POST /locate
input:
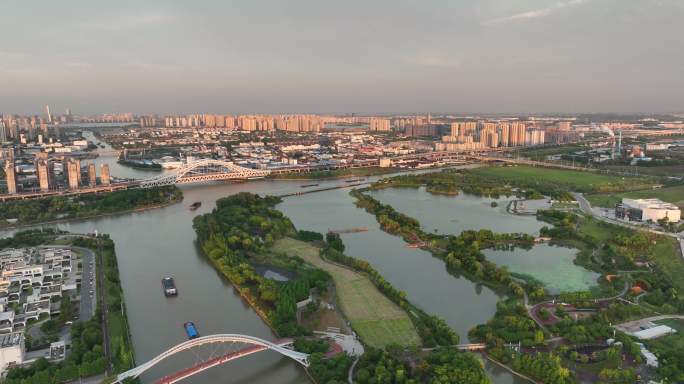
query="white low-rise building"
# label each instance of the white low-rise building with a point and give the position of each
(654, 332)
(654, 209)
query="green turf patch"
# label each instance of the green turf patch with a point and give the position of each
(377, 320)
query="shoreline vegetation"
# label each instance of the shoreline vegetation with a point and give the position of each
(59, 209)
(86, 357)
(461, 253)
(136, 164)
(339, 173)
(245, 228)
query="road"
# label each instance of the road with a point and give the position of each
(88, 289)
(586, 207)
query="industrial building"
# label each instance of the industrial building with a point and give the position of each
(647, 209)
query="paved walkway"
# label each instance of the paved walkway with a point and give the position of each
(349, 343)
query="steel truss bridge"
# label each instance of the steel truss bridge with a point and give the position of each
(203, 171)
(249, 345)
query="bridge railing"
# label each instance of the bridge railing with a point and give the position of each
(301, 358)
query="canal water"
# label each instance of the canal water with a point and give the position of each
(454, 214)
(161, 242)
(116, 169)
(552, 265)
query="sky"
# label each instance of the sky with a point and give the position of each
(351, 56)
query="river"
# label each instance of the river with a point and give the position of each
(160, 242)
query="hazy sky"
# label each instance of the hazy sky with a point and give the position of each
(342, 56)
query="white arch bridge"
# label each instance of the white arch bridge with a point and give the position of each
(204, 170)
(253, 345)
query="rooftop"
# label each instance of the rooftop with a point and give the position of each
(654, 332)
(10, 340)
(650, 203)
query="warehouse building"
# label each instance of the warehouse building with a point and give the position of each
(647, 209)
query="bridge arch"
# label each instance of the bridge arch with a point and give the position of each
(301, 358)
(204, 170)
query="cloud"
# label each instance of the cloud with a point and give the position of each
(130, 21)
(534, 14)
(432, 60)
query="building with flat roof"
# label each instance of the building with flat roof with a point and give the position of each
(653, 332)
(11, 351)
(652, 209)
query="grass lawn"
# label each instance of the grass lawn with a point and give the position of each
(667, 255)
(576, 179)
(376, 319)
(674, 195)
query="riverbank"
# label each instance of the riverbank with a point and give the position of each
(141, 165)
(56, 206)
(86, 218)
(340, 173)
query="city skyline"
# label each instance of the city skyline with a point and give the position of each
(570, 56)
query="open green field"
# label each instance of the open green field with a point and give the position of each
(541, 153)
(667, 255)
(578, 180)
(376, 319)
(674, 195)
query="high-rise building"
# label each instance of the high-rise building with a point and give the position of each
(45, 173)
(11, 177)
(92, 175)
(504, 134)
(564, 125)
(379, 125)
(105, 179)
(517, 134)
(3, 132)
(72, 174)
(78, 170)
(47, 112)
(492, 139)
(534, 137)
(455, 129)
